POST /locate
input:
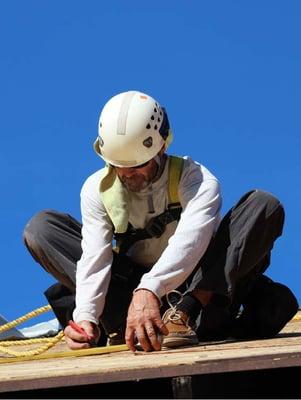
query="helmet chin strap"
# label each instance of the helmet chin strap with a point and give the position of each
(158, 160)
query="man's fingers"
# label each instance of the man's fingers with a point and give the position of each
(142, 339)
(153, 337)
(91, 329)
(76, 345)
(74, 335)
(144, 321)
(129, 339)
(161, 326)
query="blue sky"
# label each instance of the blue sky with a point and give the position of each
(228, 73)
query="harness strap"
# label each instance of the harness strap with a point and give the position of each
(174, 176)
(156, 225)
(154, 228)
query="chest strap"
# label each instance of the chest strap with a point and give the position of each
(156, 225)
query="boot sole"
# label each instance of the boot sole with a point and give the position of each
(171, 342)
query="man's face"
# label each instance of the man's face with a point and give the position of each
(138, 178)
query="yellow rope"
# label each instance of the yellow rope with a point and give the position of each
(50, 342)
(25, 317)
(25, 341)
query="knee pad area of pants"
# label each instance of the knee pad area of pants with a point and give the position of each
(271, 202)
(270, 305)
(38, 227)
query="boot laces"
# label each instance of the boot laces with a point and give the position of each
(174, 314)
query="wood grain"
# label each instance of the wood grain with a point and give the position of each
(210, 357)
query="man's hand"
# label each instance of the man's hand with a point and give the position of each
(144, 321)
(76, 340)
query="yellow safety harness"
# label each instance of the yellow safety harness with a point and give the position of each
(156, 226)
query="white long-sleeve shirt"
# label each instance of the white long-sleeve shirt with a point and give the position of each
(172, 257)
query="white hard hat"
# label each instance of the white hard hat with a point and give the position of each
(132, 129)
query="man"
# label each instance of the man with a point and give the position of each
(163, 214)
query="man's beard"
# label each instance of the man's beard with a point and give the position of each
(136, 182)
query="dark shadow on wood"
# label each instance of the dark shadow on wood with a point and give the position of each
(288, 334)
(279, 383)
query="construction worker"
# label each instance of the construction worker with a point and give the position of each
(152, 242)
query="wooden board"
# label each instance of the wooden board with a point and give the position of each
(209, 357)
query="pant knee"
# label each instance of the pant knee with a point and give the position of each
(38, 228)
(267, 310)
(268, 201)
(269, 209)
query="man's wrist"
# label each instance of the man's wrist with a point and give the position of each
(153, 285)
(149, 291)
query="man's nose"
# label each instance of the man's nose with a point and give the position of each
(127, 172)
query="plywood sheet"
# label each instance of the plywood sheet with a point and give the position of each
(209, 357)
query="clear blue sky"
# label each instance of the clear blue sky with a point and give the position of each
(228, 73)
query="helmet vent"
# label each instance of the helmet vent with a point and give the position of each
(155, 110)
(148, 126)
(155, 127)
(160, 113)
(152, 117)
(159, 120)
(148, 142)
(100, 124)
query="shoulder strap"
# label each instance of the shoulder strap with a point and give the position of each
(174, 176)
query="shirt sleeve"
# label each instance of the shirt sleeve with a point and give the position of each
(200, 197)
(94, 267)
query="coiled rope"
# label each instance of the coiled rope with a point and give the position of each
(39, 353)
(20, 342)
(50, 342)
(25, 317)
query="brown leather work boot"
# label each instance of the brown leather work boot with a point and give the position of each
(180, 331)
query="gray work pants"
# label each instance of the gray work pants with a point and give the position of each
(231, 267)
